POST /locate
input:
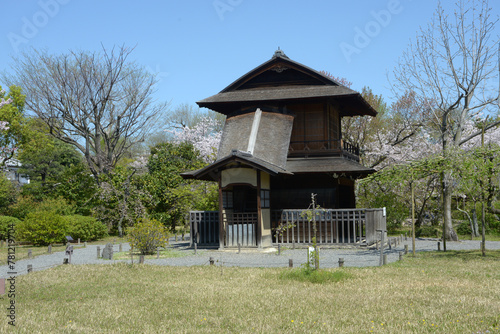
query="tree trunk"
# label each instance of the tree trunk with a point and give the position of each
(450, 233)
(475, 227)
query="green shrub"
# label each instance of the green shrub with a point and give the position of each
(26, 205)
(43, 228)
(86, 228)
(57, 205)
(22, 207)
(5, 223)
(464, 228)
(427, 231)
(147, 236)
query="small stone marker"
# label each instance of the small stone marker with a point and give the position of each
(141, 259)
(211, 260)
(120, 248)
(341, 261)
(290, 263)
(30, 255)
(50, 249)
(400, 256)
(30, 268)
(406, 249)
(107, 252)
(2, 286)
(98, 252)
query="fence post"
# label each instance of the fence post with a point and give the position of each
(341, 262)
(239, 248)
(195, 247)
(439, 246)
(290, 263)
(30, 268)
(381, 262)
(98, 252)
(400, 256)
(279, 249)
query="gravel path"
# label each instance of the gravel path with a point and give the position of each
(247, 258)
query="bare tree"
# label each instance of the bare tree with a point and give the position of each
(97, 101)
(452, 67)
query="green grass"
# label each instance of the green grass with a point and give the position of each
(452, 292)
(315, 276)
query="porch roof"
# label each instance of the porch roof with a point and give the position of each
(325, 165)
(209, 173)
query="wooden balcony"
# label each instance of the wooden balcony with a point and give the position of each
(336, 147)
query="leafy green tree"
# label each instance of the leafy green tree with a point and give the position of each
(76, 185)
(8, 192)
(172, 196)
(45, 159)
(120, 200)
(13, 114)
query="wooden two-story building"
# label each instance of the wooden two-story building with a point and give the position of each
(282, 141)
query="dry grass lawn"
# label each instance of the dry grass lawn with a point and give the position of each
(432, 293)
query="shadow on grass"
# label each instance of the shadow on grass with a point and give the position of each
(465, 255)
(314, 276)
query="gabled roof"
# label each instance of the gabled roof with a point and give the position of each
(209, 172)
(280, 65)
(282, 79)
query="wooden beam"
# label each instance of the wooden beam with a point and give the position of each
(221, 215)
(258, 229)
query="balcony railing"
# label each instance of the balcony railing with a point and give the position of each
(336, 147)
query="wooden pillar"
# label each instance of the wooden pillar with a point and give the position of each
(221, 216)
(258, 229)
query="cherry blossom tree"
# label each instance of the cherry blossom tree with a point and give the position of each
(451, 67)
(205, 136)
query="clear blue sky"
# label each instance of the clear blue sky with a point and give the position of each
(198, 47)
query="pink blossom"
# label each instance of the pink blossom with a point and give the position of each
(204, 136)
